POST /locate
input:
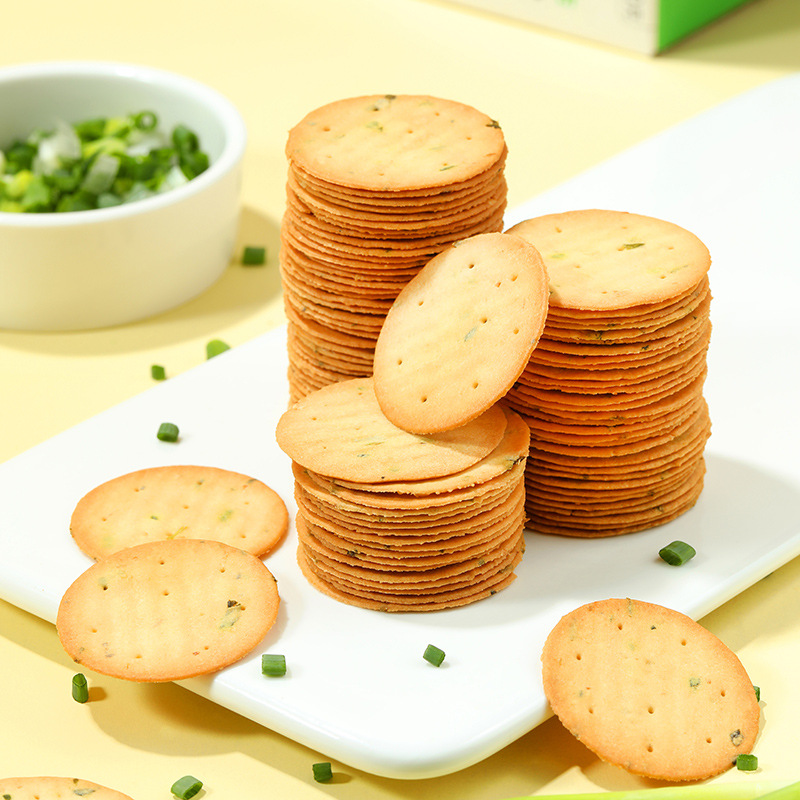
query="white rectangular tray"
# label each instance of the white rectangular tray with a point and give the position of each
(357, 689)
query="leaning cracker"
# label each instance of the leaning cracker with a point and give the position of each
(179, 502)
(460, 333)
(340, 431)
(55, 788)
(649, 689)
(168, 610)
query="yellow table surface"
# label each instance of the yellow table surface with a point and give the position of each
(564, 105)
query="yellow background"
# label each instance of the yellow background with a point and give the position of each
(564, 105)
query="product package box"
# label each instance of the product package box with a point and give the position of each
(644, 26)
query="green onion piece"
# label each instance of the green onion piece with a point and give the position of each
(185, 140)
(677, 553)
(757, 690)
(168, 432)
(145, 120)
(273, 664)
(187, 786)
(322, 771)
(433, 655)
(749, 789)
(747, 762)
(80, 689)
(254, 256)
(158, 372)
(215, 347)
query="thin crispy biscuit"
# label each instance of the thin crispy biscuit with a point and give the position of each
(650, 690)
(55, 788)
(600, 259)
(168, 610)
(179, 502)
(340, 431)
(460, 333)
(394, 142)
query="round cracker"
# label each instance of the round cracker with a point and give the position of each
(55, 788)
(179, 502)
(601, 259)
(649, 689)
(460, 333)
(395, 142)
(340, 431)
(168, 610)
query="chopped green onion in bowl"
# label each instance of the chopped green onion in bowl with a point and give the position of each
(97, 163)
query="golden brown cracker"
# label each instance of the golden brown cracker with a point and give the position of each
(179, 502)
(168, 610)
(650, 690)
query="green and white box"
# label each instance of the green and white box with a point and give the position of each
(644, 26)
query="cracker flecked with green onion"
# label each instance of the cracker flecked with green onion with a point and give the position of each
(649, 689)
(168, 610)
(179, 502)
(46, 787)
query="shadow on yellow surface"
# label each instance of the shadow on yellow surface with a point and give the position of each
(740, 36)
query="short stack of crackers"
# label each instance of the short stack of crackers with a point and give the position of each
(377, 185)
(394, 521)
(613, 393)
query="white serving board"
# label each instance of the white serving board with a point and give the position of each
(357, 688)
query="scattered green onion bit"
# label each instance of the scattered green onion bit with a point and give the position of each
(187, 786)
(254, 256)
(168, 432)
(215, 347)
(433, 655)
(757, 690)
(96, 163)
(80, 689)
(747, 762)
(677, 553)
(273, 665)
(158, 372)
(322, 771)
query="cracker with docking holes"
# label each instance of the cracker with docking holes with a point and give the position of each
(169, 610)
(460, 333)
(649, 689)
(341, 431)
(179, 502)
(411, 143)
(602, 260)
(55, 788)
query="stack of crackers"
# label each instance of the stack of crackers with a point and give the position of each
(394, 521)
(377, 185)
(613, 393)
(410, 483)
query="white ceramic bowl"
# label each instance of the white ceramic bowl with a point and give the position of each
(101, 267)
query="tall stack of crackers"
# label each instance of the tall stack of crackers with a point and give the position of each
(613, 392)
(376, 186)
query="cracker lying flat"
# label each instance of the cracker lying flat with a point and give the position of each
(168, 610)
(648, 689)
(400, 142)
(605, 259)
(340, 431)
(460, 333)
(55, 788)
(179, 502)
